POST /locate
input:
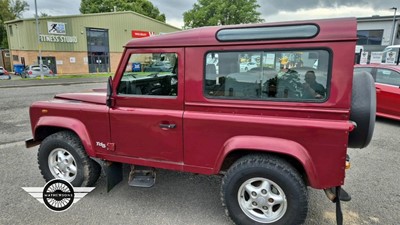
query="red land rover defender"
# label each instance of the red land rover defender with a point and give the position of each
(269, 131)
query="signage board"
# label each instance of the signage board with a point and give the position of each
(141, 34)
(56, 28)
(390, 57)
(58, 39)
(364, 58)
(376, 57)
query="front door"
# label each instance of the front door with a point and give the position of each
(98, 50)
(50, 61)
(388, 92)
(146, 120)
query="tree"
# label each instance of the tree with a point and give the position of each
(42, 14)
(144, 7)
(222, 12)
(10, 10)
(17, 7)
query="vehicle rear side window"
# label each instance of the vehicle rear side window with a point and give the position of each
(153, 74)
(296, 75)
(386, 76)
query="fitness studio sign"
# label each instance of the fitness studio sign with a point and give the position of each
(58, 39)
(55, 30)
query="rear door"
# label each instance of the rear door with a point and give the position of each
(388, 92)
(146, 121)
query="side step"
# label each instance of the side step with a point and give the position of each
(141, 176)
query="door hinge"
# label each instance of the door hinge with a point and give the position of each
(111, 147)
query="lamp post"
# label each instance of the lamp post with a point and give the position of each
(39, 45)
(393, 26)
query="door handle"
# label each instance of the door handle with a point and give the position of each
(167, 126)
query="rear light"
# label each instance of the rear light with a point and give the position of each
(51, 72)
(30, 72)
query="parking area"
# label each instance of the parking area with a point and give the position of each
(179, 198)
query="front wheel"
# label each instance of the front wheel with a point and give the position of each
(62, 156)
(262, 189)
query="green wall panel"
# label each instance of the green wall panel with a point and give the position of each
(119, 25)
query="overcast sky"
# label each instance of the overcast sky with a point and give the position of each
(271, 10)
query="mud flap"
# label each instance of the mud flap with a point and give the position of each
(336, 195)
(339, 213)
(113, 174)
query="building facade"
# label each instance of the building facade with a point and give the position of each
(375, 33)
(79, 44)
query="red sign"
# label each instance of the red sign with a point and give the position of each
(140, 34)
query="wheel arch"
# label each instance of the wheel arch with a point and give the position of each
(52, 124)
(291, 151)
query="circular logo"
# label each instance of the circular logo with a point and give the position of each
(58, 195)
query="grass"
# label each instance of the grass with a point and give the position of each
(70, 76)
(91, 75)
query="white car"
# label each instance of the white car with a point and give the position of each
(33, 71)
(244, 67)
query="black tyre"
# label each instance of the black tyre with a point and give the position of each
(363, 109)
(61, 155)
(262, 189)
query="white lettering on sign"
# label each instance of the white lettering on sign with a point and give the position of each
(101, 144)
(58, 39)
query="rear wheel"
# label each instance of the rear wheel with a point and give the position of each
(62, 156)
(262, 189)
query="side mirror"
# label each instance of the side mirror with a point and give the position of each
(109, 101)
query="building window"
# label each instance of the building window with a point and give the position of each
(11, 30)
(278, 75)
(15, 58)
(369, 37)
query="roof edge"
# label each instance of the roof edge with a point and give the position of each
(90, 14)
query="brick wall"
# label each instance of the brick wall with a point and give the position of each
(67, 62)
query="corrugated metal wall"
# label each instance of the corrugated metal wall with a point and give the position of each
(119, 24)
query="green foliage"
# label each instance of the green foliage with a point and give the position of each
(10, 10)
(42, 14)
(17, 7)
(144, 7)
(222, 12)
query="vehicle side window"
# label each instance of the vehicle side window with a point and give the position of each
(361, 69)
(386, 76)
(298, 75)
(152, 74)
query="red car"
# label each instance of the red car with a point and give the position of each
(387, 82)
(269, 133)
